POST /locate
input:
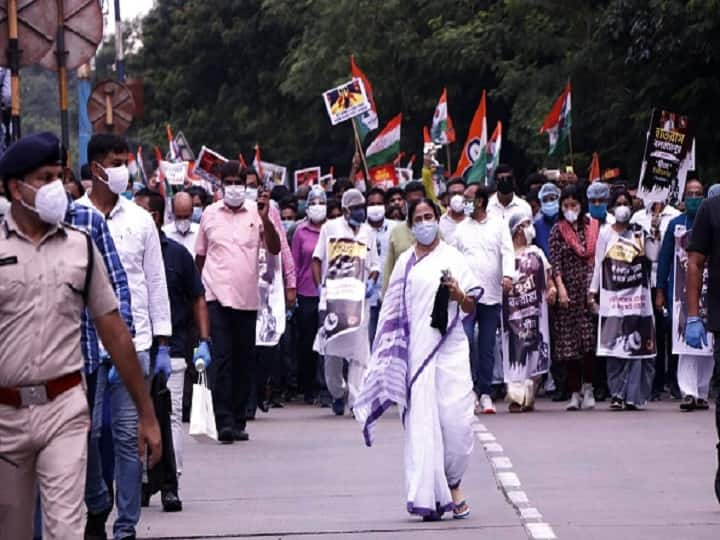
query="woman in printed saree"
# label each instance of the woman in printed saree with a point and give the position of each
(626, 333)
(420, 363)
(525, 321)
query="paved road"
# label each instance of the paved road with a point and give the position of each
(586, 475)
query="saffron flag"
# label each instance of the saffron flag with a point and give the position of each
(493, 152)
(594, 175)
(368, 121)
(257, 164)
(386, 145)
(450, 130)
(426, 135)
(174, 153)
(557, 123)
(473, 159)
(439, 129)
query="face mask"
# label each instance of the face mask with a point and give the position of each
(251, 194)
(468, 208)
(182, 225)
(550, 209)
(50, 202)
(425, 232)
(127, 194)
(457, 204)
(622, 214)
(117, 178)
(570, 216)
(529, 234)
(287, 223)
(692, 205)
(376, 213)
(197, 214)
(505, 185)
(234, 196)
(316, 213)
(357, 217)
(598, 211)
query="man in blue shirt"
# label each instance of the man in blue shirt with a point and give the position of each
(187, 295)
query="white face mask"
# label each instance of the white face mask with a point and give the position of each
(469, 208)
(182, 225)
(622, 214)
(571, 216)
(316, 212)
(234, 196)
(376, 212)
(457, 204)
(529, 234)
(50, 202)
(251, 193)
(117, 178)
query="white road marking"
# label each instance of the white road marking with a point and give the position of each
(486, 437)
(508, 479)
(540, 531)
(494, 448)
(502, 462)
(530, 513)
(518, 497)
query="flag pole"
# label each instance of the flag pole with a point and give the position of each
(449, 163)
(359, 148)
(572, 163)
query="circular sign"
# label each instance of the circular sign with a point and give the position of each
(83, 33)
(113, 101)
(37, 25)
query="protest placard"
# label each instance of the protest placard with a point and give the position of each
(307, 177)
(346, 101)
(208, 165)
(183, 147)
(274, 174)
(175, 173)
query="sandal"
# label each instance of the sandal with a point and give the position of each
(461, 510)
(433, 516)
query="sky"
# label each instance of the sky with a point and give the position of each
(129, 9)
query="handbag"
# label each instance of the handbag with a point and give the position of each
(202, 413)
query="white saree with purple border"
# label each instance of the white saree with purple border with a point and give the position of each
(427, 375)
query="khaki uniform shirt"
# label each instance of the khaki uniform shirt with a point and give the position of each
(41, 302)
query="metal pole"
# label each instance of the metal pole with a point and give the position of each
(62, 76)
(14, 61)
(119, 53)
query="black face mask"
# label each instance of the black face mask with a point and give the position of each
(506, 185)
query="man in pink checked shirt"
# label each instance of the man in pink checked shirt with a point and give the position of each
(229, 238)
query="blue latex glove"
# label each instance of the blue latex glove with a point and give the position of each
(695, 334)
(202, 352)
(370, 287)
(162, 361)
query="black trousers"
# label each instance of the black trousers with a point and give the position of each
(306, 320)
(233, 338)
(715, 384)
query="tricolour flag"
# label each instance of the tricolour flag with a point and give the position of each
(174, 153)
(368, 121)
(439, 129)
(257, 164)
(557, 123)
(386, 145)
(594, 175)
(473, 160)
(493, 152)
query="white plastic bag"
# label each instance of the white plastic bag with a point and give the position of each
(202, 414)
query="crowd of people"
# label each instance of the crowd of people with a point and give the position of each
(437, 296)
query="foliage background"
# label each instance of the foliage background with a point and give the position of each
(232, 73)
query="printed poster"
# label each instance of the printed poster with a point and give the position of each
(342, 297)
(525, 322)
(208, 165)
(175, 173)
(679, 301)
(346, 101)
(383, 176)
(669, 153)
(307, 177)
(274, 174)
(183, 146)
(271, 320)
(626, 322)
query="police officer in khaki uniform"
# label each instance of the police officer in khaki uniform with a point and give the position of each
(48, 272)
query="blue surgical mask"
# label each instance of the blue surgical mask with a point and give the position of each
(692, 205)
(128, 195)
(357, 217)
(287, 223)
(598, 211)
(550, 209)
(425, 232)
(197, 214)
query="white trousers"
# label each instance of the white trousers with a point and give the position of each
(336, 382)
(176, 384)
(694, 373)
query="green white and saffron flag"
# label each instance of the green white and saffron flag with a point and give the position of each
(558, 122)
(439, 129)
(386, 146)
(368, 121)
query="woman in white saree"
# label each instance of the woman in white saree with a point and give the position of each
(420, 363)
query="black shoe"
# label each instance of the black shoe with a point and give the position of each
(560, 396)
(263, 406)
(600, 394)
(702, 405)
(226, 436)
(170, 501)
(95, 525)
(338, 406)
(656, 395)
(675, 392)
(688, 404)
(308, 399)
(145, 496)
(616, 404)
(717, 476)
(240, 435)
